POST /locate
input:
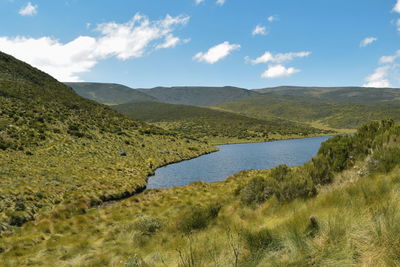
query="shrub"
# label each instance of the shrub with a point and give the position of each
(148, 225)
(198, 218)
(384, 160)
(257, 190)
(260, 240)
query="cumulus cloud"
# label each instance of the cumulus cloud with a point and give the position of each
(198, 1)
(396, 8)
(259, 30)
(278, 71)
(66, 61)
(378, 78)
(28, 10)
(216, 53)
(367, 41)
(220, 2)
(272, 18)
(268, 57)
(390, 59)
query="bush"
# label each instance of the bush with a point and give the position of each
(384, 160)
(260, 240)
(148, 225)
(257, 191)
(198, 218)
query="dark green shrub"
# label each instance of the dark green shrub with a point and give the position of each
(260, 240)
(198, 218)
(257, 190)
(148, 225)
(384, 160)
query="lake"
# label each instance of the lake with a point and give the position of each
(231, 159)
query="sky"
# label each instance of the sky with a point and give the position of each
(250, 44)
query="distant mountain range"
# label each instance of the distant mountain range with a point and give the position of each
(334, 107)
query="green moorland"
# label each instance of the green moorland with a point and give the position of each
(214, 126)
(339, 209)
(109, 93)
(61, 153)
(309, 109)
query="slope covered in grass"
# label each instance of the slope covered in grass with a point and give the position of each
(340, 209)
(311, 109)
(109, 93)
(61, 152)
(213, 125)
(199, 96)
(359, 95)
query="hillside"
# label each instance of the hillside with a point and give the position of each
(214, 126)
(308, 109)
(360, 95)
(109, 93)
(340, 209)
(61, 153)
(199, 96)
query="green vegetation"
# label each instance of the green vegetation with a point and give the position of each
(109, 93)
(346, 220)
(215, 126)
(63, 154)
(310, 109)
(199, 96)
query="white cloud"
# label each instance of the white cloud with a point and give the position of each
(278, 71)
(198, 1)
(259, 30)
(272, 18)
(216, 53)
(378, 78)
(268, 57)
(28, 10)
(170, 41)
(389, 59)
(396, 8)
(367, 41)
(220, 2)
(66, 61)
(398, 24)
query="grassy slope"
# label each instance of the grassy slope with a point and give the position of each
(310, 109)
(199, 96)
(212, 125)
(58, 149)
(109, 93)
(360, 95)
(354, 221)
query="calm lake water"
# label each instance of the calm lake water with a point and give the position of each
(231, 159)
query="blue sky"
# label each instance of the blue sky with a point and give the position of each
(250, 44)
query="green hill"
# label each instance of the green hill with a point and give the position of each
(62, 153)
(360, 95)
(199, 96)
(109, 93)
(310, 109)
(214, 126)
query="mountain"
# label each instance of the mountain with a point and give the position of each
(109, 93)
(62, 153)
(212, 125)
(311, 109)
(360, 95)
(199, 96)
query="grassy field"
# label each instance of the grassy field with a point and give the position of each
(340, 209)
(62, 153)
(214, 126)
